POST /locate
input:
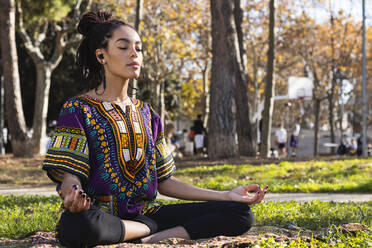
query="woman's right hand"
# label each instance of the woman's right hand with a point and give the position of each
(76, 200)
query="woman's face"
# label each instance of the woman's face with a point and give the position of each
(123, 56)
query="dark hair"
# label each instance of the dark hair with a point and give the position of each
(97, 28)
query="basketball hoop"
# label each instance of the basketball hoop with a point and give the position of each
(300, 88)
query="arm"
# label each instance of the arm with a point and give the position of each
(173, 187)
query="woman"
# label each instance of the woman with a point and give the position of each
(109, 159)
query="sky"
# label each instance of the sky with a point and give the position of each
(350, 7)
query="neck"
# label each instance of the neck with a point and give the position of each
(116, 89)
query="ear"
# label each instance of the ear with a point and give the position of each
(100, 56)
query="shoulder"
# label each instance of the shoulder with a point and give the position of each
(145, 107)
(75, 101)
(75, 105)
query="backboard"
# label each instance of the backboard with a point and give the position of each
(300, 87)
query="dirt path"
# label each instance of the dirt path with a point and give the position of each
(47, 191)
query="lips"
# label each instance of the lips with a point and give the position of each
(134, 64)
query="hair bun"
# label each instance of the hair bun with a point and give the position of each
(91, 19)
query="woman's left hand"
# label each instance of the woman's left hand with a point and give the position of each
(241, 194)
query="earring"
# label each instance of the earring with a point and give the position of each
(104, 81)
(101, 58)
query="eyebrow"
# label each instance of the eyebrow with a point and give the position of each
(127, 40)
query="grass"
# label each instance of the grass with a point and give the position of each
(312, 215)
(353, 175)
(337, 239)
(23, 214)
(20, 215)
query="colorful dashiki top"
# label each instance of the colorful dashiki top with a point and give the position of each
(119, 155)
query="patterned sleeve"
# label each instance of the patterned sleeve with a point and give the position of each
(165, 166)
(68, 149)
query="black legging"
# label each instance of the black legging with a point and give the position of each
(201, 220)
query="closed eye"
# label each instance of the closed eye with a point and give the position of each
(125, 48)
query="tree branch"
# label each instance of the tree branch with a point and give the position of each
(42, 35)
(76, 16)
(31, 48)
(62, 31)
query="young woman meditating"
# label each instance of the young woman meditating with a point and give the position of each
(109, 158)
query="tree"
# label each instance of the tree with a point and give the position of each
(329, 50)
(14, 110)
(222, 120)
(269, 87)
(45, 66)
(166, 57)
(246, 142)
(138, 18)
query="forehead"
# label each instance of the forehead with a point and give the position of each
(125, 32)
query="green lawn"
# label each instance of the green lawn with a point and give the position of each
(352, 175)
(23, 214)
(349, 175)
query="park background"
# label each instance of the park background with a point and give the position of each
(217, 58)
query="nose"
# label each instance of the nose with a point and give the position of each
(134, 52)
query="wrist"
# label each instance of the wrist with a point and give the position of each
(225, 196)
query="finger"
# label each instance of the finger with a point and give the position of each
(261, 196)
(82, 200)
(250, 200)
(75, 201)
(87, 204)
(264, 192)
(81, 203)
(68, 200)
(252, 187)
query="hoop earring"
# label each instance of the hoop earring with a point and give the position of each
(104, 81)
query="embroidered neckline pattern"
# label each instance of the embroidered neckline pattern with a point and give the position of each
(130, 139)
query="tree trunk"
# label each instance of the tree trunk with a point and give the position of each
(331, 106)
(316, 125)
(206, 96)
(222, 132)
(246, 141)
(44, 69)
(317, 99)
(162, 103)
(13, 100)
(43, 76)
(256, 95)
(138, 18)
(269, 88)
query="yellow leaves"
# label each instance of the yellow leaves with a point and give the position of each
(149, 39)
(172, 14)
(342, 68)
(279, 58)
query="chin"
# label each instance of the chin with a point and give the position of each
(136, 76)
